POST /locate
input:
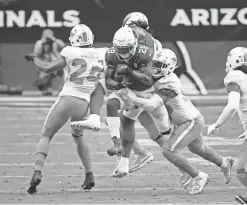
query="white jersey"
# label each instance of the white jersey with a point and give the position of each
(180, 107)
(240, 78)
(82, 76)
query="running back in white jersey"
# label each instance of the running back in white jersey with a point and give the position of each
(239, 78)
(83, 75)
(180, 107)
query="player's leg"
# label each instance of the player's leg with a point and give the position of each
(55, 119)
(242, 171)
(182, 136)
(96, 102)
(78, 110)
(163, 122)
(200, 148)
(181, 162)
(142, 157)
(128, 119)
(113, 106)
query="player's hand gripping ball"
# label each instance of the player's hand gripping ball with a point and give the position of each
(30, 57)
(125, 70)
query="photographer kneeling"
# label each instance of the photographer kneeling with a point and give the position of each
(48, 49)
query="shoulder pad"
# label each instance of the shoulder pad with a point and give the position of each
(111, 58)
(234, 76)
(65, 51)
(171, 82)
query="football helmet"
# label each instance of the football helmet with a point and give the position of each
(137, 18)
(164, 63)
(236, 57)
(81, 35)
(125, 43)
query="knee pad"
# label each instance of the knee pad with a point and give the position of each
(242, 177)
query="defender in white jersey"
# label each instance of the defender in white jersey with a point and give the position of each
(187, 119)
(84, 67)
(236, 84)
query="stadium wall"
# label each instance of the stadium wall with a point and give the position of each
(208, 28)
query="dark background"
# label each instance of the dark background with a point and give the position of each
(208, 45)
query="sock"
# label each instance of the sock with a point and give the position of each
(94, 118)
(138, 149)
(206, 152)
(41, 153)
(181, 162)
(113, 124)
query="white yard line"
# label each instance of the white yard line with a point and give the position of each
(104, 152)
(99, 175)
(118, 189)
(194, 159)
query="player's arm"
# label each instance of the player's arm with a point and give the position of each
(46, 67)
(110, 83)
(38, 48)
(49, 67)
(165, 94)
(232, 104)
(143, 75)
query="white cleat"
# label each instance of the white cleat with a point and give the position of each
(199, 183)
(185, 178)
(227, 169)
(140, 161)
(122, 168)
(92, 123)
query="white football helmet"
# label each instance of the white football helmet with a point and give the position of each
(236, 57)
(164, 63)
(81, 35)
(137, 18)
(125, 43)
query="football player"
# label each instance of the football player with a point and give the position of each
(236, 85)
(84, 67)
(132, 60)
(139, 23)
(188, 121)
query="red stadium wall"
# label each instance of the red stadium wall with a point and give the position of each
(209, 29)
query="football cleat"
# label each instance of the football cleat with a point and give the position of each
(140, 161)
(122, 168)
(117, 147)
(92, 123)
(199, 183)
(89, 181)
(35, 181)
(227, 170)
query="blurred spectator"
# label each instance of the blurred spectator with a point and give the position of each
(48, 48)
(6, 89)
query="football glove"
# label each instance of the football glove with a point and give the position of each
(243, 135)
(30, 57)
(125, 70)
